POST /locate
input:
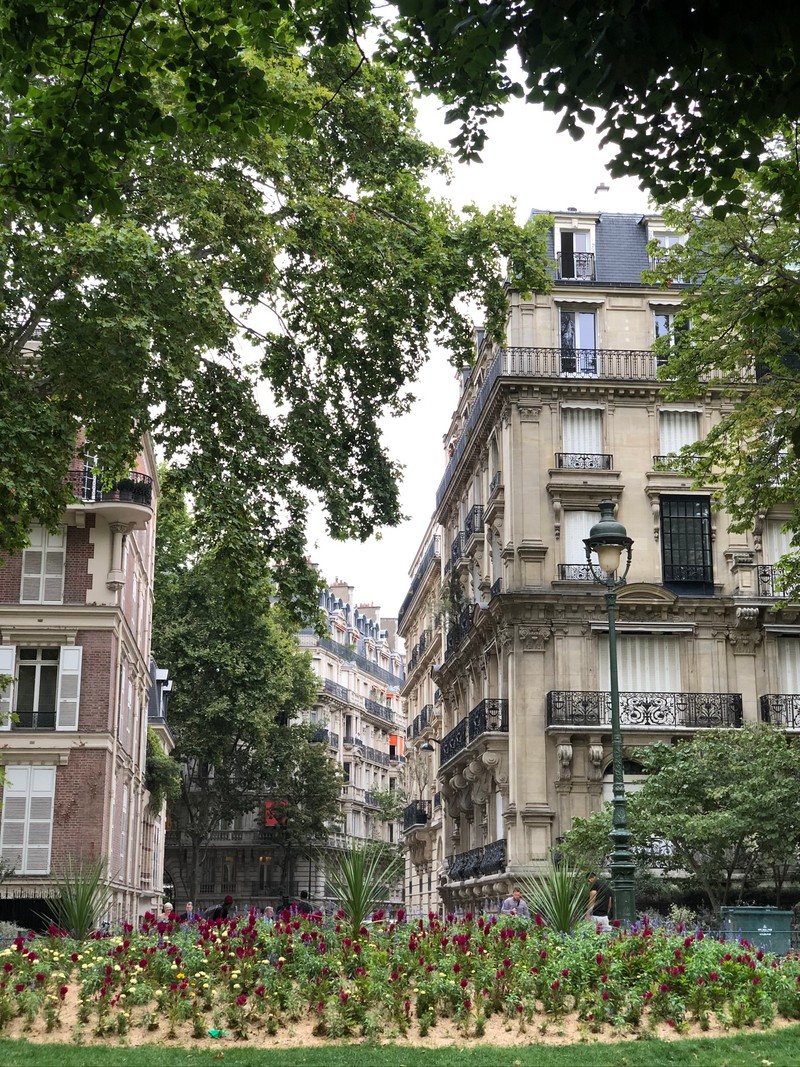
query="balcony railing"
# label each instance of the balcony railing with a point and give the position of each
(665, 463)
(335, 690)
(35, 720)
(133, 488)
(490, 716)
(667, 710)
(496, 589)
(417, 813)
(496, 482)
(433, 552)
(584, 461)
(781, 710)
(366, 665)
(380, 711)
(474, 522)
(575, 266)
(575, 572)
(488, 859)
(457, 548)
(765, 577)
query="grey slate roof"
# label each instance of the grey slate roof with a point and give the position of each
(620, 247)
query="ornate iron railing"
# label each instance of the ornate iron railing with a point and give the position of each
(487, 859)
(134, 487)
(432, 552)
(417, 813)
(496, 482)
(380, 711)
(688, 710)
(335, 690)
(473, 523)
(351, 740)
(370, 800)
(375, 756)
(490, 716)
(497, 588)
(584, 461)
(575, 266)
(664, 463)
(35, 720)
(457, 547)
(781, 710)
(575, 572)
(366, 665)
(765, 577)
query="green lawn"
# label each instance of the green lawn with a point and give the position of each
(780, 1048)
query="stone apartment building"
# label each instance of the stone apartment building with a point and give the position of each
(359, 720)
(507, 681)
(75, 626)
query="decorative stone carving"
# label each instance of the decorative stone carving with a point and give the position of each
(595, 753)
(533, 638)
(564, 754)
(745, 642)
(746, 618)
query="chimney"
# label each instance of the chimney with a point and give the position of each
(342, 590)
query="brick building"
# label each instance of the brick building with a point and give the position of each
(75, 625)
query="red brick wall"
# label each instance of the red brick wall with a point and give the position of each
(98, 680)
(77, 580)
(82, 806)
(10, 578)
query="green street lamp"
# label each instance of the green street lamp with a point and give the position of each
(608, 539)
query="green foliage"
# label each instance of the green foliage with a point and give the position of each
(586, 846)
(560, 896)
(221, 224)
(162, 776)
(83, 897)
(361, 880)
(685, 98)
(391, 803)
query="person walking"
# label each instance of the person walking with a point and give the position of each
(515, 905)
(600, 901)
(189, 916)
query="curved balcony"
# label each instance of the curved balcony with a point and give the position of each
(688, 711)
(490, 716)
(478, 862)
(126, 500)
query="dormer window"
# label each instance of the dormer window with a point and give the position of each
(575, 255)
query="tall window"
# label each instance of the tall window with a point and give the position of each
(575, 258)
(582, 436)
(647, 663)
(45, 693)
(27, 819)
(577, 525)
(686, 545)
(578, 343)
(676, 430)
(43, 567)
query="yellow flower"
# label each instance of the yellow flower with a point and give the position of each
(236, 985)
(181, 974)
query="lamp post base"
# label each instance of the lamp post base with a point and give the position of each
(622, 876)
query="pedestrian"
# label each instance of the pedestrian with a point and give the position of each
(600, 901)
(221, 911)
(167, 913)
(269, 914)
(515, 905)
(189, 915)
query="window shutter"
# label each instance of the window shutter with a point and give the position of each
(32, 563)
(15, 805)
(43, 568)
(677, 428)
(40, 820)
(69, 687)
(28, 819)
(54, 568)
(647, 663)
(582, 431)
(8, 662)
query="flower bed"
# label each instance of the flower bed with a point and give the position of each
(247, 978)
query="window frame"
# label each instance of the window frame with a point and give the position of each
(700, 576)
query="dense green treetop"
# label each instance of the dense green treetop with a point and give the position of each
(252, 270)
(737, 331)
(685, 90)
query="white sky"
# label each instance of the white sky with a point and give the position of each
(527, 161)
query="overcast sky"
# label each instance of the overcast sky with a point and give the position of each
(527, 161)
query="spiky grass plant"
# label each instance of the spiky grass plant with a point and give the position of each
(83, 897)
(560, 895)
(361, 879)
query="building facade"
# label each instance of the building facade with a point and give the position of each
(515, 705)
(357, 716)
(75, 627)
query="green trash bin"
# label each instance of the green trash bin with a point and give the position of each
(767, 928)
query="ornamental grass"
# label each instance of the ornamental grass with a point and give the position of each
(246, 978)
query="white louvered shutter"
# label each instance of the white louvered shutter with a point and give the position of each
(789, 664)
(69, 687)
(8, 662)
(577, 525)
(43, 568)
(27, 826)
(40, 820)
(677, 428)
(582, 431)
(646, 663)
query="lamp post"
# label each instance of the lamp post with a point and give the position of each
(608, 539)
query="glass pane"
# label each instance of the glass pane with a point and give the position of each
(48, 685)
(25, 688)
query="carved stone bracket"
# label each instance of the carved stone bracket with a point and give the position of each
(594, 771)
(564, 753)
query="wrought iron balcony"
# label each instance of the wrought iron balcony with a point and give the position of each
(91, 487)
(370, 800)
(488, 859)
(496, 589)
(584, 461)
(575, 266)
(574, 572)
(380, 711)
(35, 720)
(417, 813)
(781, 710)
(496, 482)
(432, 552)
(665, 710)
(474, 522)
(352, 741)
(490, 716)
(376, 756)
(457, 548)
(335, 690)
(665, 463)
(765, 577)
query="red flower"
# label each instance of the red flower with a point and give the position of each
(63, 991)
(467, 1005)
(40, 977)
(555, 985)
(241, 1000)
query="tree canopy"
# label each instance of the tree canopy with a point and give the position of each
(736, 334)
(239, 680)
(218, 231)
(686, 91)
